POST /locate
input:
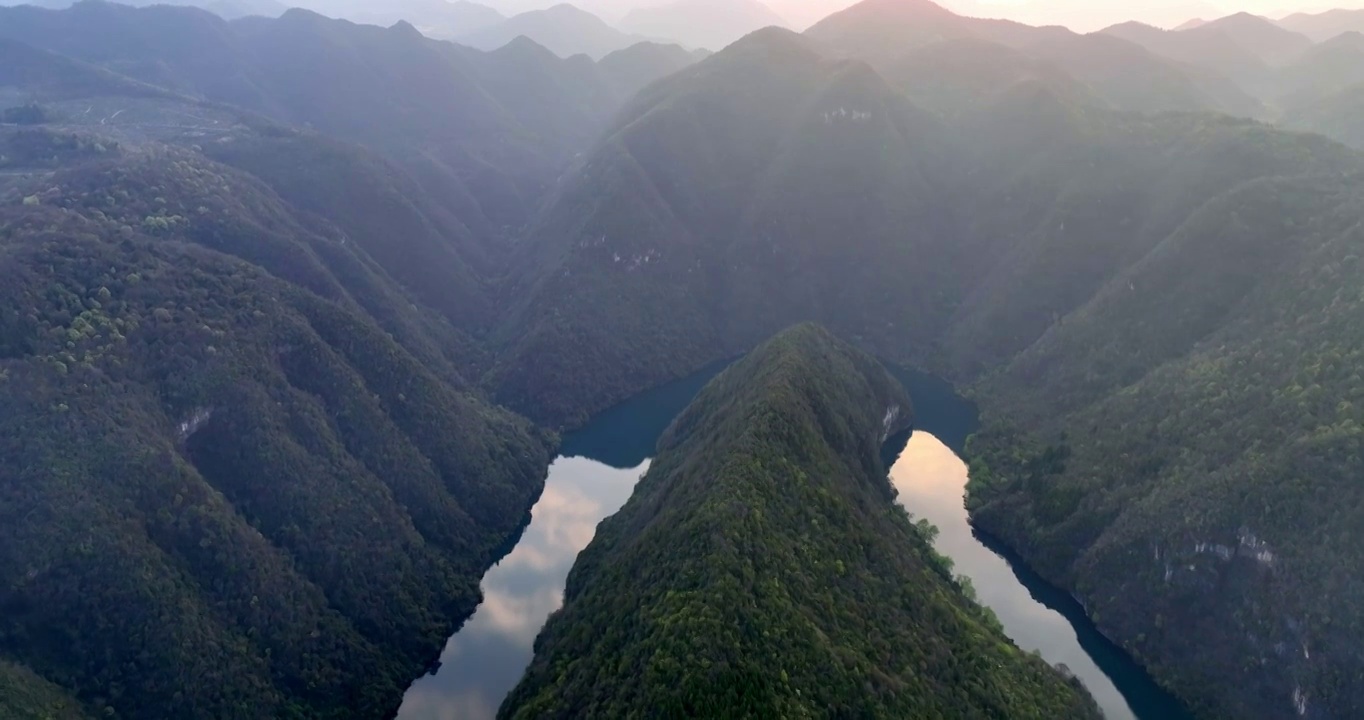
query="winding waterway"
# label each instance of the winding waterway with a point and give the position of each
(595, 475)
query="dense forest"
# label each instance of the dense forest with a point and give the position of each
(290, 307)
(762, 569)
(1197, 476)
(240, 470)
(725, 213)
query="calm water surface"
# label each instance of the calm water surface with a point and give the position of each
(591, 479)
(596, 474)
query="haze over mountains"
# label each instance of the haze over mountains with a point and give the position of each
(292, 307)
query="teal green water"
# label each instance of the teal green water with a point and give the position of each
(595, 474)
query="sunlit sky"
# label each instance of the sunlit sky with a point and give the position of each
(1080, 15)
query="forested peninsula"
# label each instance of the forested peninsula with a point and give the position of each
(763, 569)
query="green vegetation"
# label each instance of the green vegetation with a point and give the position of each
(762, 569)
(30, 114)
(767, 185)
(1190, 465)
(1155, 312)
(487, 132)
(242, 473)
(25, 695)
(248, 462)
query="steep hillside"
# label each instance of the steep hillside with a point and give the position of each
(768, 185)
(761, 568)
(1272, 43)
(1077, 195)
(1214, 50)
(1129, 77)
(234, 438)
(25, 695)
(410, 233)
(415, 232)
(1324, 70)
(461, 123)
(687, 226)
(1339, 116)
(1183, 454)
(960, 78)
(632, 69)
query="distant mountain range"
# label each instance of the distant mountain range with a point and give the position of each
(711, 24)
(1324, 26)
(292, 310)
(563, 29)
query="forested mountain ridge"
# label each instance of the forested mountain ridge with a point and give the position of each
(1194, 475)
(1122, 73)
(1325, 25)
(686, 206)
(25, 695)
(468, 124)
(231, 436)
(761, 568)
(1339, 115)
(563, 29)
(1026, 230)
(1157, 311)
(723, 215)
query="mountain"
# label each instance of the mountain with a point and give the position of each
(768, 185)
(885, 29)
(1320, 27)
(439, 19)
(1084, 16)
(227, 9)
(765, 539)
(230, 435)
(563, 29)
(1129, 77)
(1272, 43)
(703, 206)
(1191, 452)
(442, 112)
(233, 9)
(1120, 73)
(709, 24)
(961, 77)
(632, 69)
(1047, 252)
(1337, 116)
(1214, 50)
(1324, 70)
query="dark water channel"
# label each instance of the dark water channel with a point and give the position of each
(595, 475)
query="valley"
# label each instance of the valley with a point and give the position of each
(599, 466)
(296, 313)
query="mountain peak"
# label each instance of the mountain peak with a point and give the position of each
(772, 40)
(565, 10)
(888, 28)
(1132, 25)
(403, 27)
(524, 46)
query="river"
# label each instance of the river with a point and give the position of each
(594, 476)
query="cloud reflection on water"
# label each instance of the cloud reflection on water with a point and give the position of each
(482, 663)
(931, 481)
